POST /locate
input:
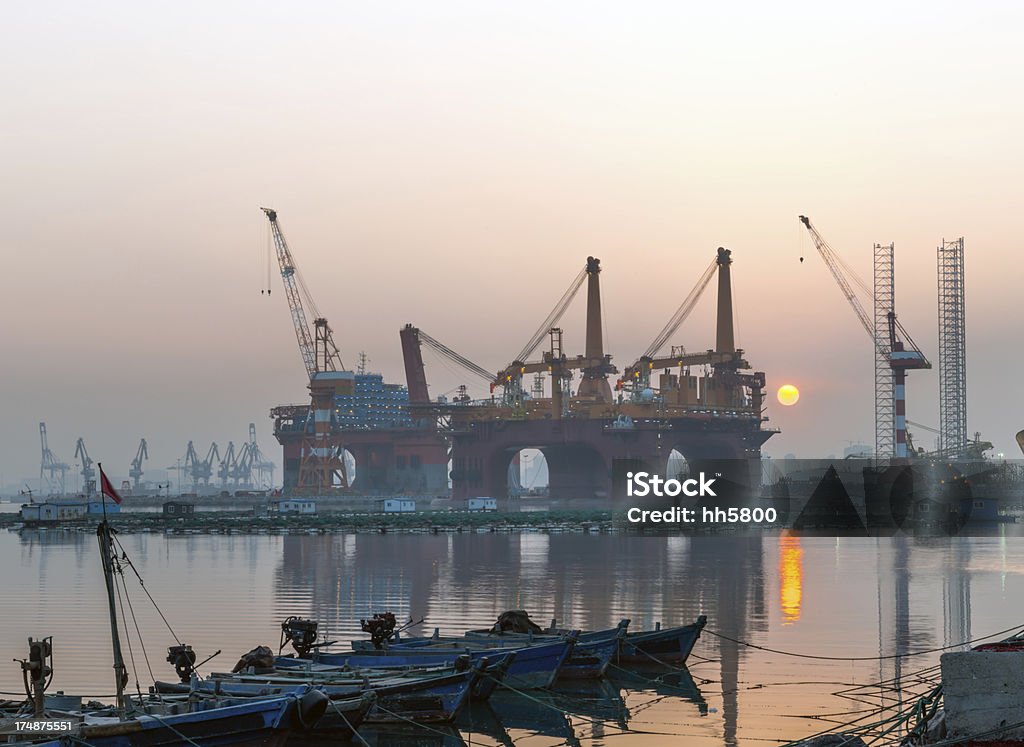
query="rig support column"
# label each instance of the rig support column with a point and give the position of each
(415, 376)
(595, 378)
(724, 341)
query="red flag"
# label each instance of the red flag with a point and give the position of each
(106, 488)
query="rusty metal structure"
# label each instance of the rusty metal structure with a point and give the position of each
(321, 444)
(706, 405)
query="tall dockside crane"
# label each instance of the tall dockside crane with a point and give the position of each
(318, 351)
(88, 473)
(200, 470)
(322, 466)
(895, 351)
(55, 469)
(135, 472)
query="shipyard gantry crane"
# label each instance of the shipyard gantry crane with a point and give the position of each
(262, 475)
(893, 346)
(135, 471)
(322, 467)
(236, 466)
(228, 469)
(55, 469)
(200, 470)
(88, 473)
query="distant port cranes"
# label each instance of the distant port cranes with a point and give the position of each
(239, 469)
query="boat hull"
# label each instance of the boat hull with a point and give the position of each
(430, 699)
(669, 645)
(533, 666)
(266, 722)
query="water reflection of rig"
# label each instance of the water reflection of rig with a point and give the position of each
(362, 435)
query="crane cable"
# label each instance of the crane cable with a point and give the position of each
(553, 318)
(682, 312)
(461, 360)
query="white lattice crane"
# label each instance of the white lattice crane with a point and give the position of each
(893, 345)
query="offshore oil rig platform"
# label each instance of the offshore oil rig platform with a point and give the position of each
(706, 405)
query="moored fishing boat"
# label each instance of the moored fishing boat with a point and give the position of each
(340, 720)
(661, 645)
(590, 657)
(534, 666)
(263, 722)
(398, 698)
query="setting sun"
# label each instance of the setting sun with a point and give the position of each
(788, 395)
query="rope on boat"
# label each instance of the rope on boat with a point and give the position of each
(413, 722)
(79, 740)
(549, 706)
(655, 680)
(131, 651)
(861, 658)
(355, 732)
(656, 660)
(167, 725)
(142, 642)
(142, 583)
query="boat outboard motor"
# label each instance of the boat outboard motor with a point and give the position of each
(37, 671)
(183, 659)
(302, 634)
(381, 627)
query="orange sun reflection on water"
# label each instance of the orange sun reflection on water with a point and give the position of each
(791, 577)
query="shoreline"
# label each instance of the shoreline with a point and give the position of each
(244, 523)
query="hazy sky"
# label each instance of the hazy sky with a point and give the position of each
(452, 165)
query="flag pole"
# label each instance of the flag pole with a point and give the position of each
(104, 536)
(103, 493)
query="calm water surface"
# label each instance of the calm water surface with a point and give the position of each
(863, 597)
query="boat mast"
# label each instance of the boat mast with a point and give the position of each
(103, 535)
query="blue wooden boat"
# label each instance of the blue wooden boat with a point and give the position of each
(493, 675)
(261, 722)
(590, 658)
(534, 666)
(340, 720)
(397, 699)
(661, 645)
